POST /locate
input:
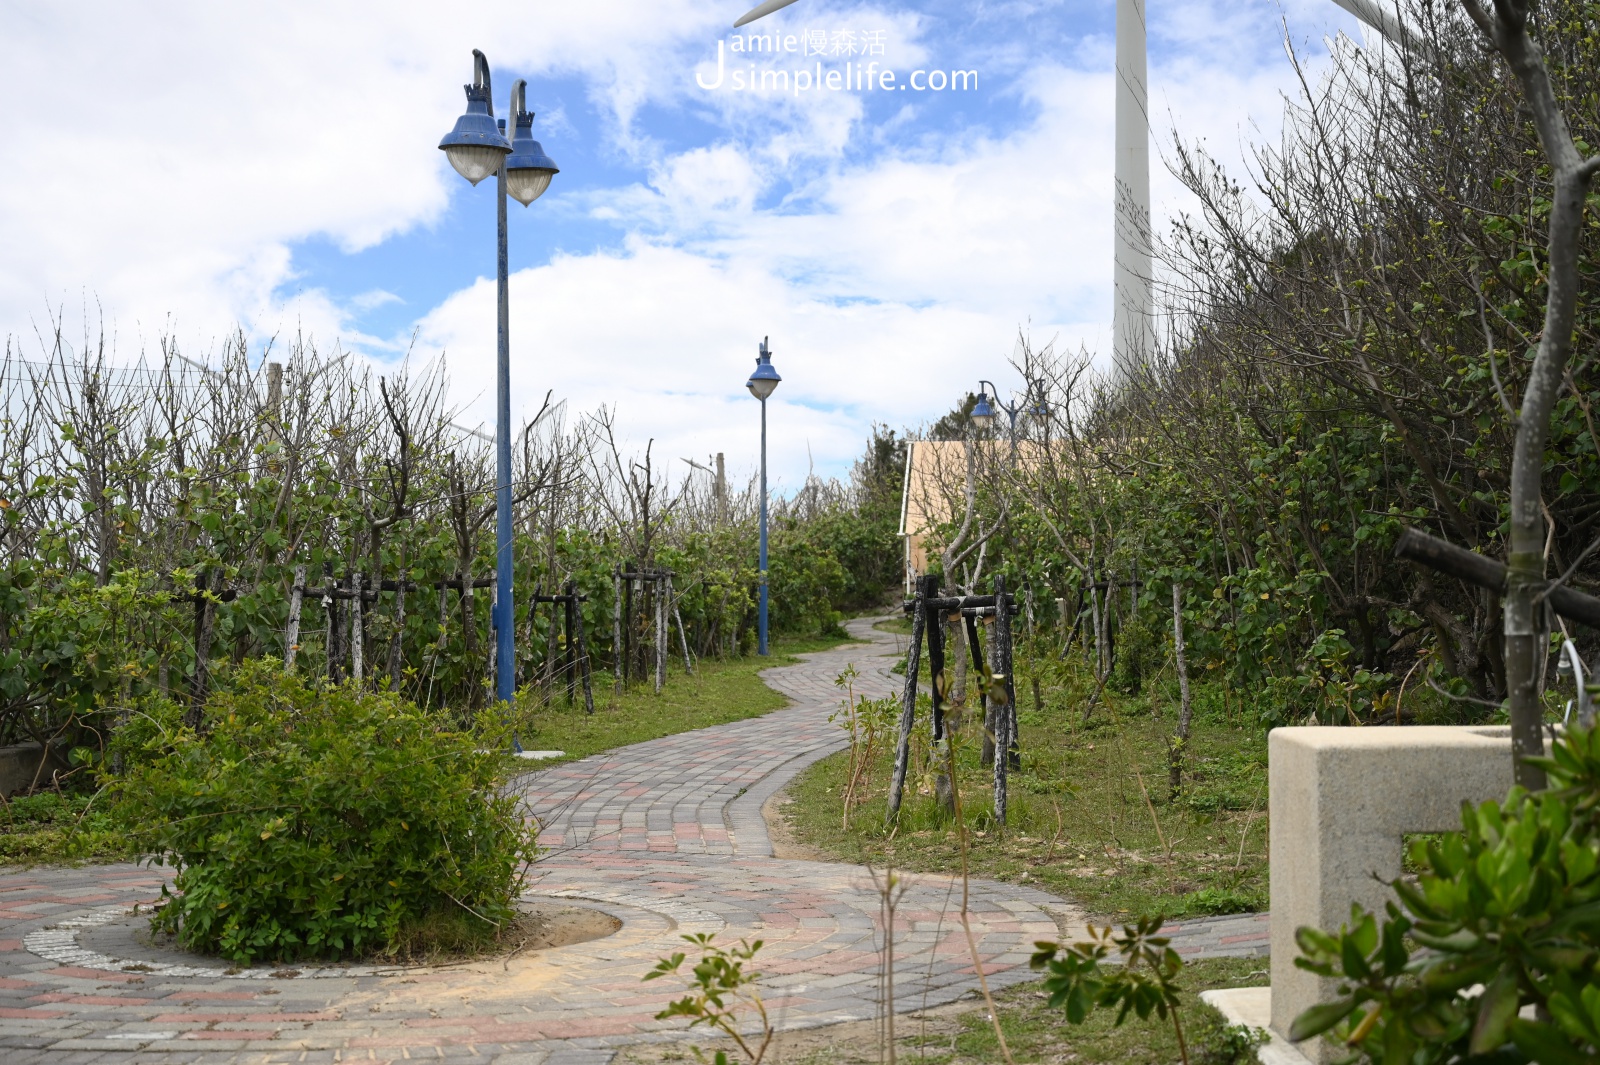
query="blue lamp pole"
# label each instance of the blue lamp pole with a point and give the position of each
(477, 147)
(761, 384)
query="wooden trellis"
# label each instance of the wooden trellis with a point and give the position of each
(574, 667)
(649, 590)
(927, 609)
(356, 591)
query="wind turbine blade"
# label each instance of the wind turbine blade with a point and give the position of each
(762, 11)
(1385, 22)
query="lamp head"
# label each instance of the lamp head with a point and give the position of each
(982, 413)
(765, 378)
(528, 169)
(476, 147)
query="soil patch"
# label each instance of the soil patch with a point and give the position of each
(784, 842)
(541, 924)
(849, 1043)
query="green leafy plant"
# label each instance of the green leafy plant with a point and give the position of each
(1223, 900)
(1144, 981)
(1231, 1044)
(323, 822)
(1511, 905)
(869, 723)
(721, 990)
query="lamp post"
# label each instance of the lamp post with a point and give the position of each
(761, 384)
(477, 147)
(983, 411)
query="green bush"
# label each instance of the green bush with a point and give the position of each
(1512, 901)
(322, 822)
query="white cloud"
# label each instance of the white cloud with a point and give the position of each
(164, 158)
(168, 164)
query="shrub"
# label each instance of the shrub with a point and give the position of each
(322, 822)
(1512, 901)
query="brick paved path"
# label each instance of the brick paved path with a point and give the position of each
(665, 835)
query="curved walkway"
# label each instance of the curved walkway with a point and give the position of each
(666, 836)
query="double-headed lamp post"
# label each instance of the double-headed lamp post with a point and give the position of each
(477, 148)
(983, 411)
(761, 384)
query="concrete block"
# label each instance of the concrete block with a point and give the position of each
(1340, 799)
(20, 766)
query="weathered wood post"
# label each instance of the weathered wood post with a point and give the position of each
(943, 791)
(683, 635)
(722, 491)
(444, 616)
(1003, 699)
(330, 614)
(552, 649)
(357, 644)
(631, 670)
(1005, 609)
(660, 583)
(926, 587)
(955, 640)
(203, 621)
(985, 704)
(617, 652)
(569, 662)
(397, 643)
(1179, 750)
(291, 634)
(492, 657)
(583, 658)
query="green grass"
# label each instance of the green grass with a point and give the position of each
(1089, 818)
(719, 692)
(56, 827)
(1034, 1032)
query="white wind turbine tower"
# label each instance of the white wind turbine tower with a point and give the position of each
(1132, 279)
(1132, 305)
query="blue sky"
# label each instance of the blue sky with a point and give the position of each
(277, 168)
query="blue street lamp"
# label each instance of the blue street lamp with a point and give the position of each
(761, 384)
(477, 147)
(983, 411)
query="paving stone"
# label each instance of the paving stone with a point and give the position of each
(666, 835)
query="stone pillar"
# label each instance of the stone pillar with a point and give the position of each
(1340, 801)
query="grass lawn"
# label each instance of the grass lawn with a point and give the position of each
(1090, 814)
(1036, 1033)
(719, 692)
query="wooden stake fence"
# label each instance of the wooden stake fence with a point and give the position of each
(927, 610)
